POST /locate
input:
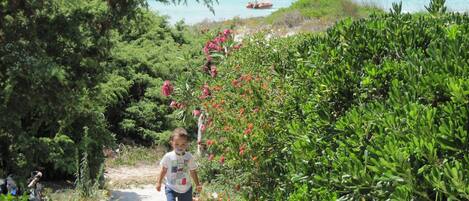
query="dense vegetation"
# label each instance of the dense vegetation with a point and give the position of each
(375, 109)
(77, 76)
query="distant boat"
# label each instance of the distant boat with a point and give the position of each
(259, 5)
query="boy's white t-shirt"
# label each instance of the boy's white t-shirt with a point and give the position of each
(177, 175)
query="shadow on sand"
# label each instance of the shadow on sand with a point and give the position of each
(125, 196)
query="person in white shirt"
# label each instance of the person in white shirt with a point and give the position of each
(176, 167)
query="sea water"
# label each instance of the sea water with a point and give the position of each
(417, 5)
(194, 12)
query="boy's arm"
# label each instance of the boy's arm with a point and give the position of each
(160, 178)
(196, 180)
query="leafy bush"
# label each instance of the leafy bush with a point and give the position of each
(142, 59)
(374, 109)
(53, 55)
(94, 64)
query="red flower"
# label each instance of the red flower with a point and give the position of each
(210, 142)
(167, 88)
(227, 32)
(250, 126)
(220, 39)
(223, 39)
(254, 158)
(213, 45)
(222, 159)
(196, 113)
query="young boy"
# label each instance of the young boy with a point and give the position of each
(175, 168)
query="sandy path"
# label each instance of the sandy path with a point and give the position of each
(134, 184)
(142, 193)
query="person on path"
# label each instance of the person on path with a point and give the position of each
(176, 167)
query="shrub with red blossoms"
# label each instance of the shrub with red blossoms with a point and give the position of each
(221, 44)
(227, 32)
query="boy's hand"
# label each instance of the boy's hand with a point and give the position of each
(158, 187)
(198, 188)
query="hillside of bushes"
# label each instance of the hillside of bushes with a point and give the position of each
(325, 10)
(375, 109)
(77, 77)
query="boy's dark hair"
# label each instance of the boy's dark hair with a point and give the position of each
(179, 132)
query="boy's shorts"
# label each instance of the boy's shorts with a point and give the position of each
(172, 195)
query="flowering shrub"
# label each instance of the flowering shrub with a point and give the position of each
(219, 47)
(375, 109)
(214, 50)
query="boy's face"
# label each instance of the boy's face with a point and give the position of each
(179, 144)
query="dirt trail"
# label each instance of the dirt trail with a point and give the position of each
(142, 193)
(134, 183)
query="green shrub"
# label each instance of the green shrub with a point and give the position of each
(375, 109)
(53, 56)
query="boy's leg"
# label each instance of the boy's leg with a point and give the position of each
(187, 196)
(170, 194)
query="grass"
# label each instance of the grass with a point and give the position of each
(73, 195)
(125, 156)
(135, 155)
(324, 9)
(215, 191)
(65, 190)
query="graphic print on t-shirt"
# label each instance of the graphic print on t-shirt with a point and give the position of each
(179, 170)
